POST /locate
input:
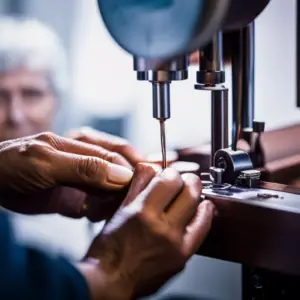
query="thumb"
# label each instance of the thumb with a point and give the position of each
(88, 171)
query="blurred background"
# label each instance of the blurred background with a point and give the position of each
(102, 92)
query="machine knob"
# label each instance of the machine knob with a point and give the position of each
(258, 127)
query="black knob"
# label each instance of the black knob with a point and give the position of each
(258, 127)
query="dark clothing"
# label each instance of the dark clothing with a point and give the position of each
(26, 273)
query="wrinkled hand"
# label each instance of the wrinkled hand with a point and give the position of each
(130, 156)
(158, 227)
(47, 173)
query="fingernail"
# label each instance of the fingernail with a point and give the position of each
(119, 175)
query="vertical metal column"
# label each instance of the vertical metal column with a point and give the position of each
(211, 77)
(248, 45)
(219, 121)
(237, 86)
(219, 102)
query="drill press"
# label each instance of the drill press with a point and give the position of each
(159, 34)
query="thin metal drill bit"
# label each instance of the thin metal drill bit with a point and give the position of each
(163, 143)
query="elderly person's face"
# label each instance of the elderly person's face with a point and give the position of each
(27, 103)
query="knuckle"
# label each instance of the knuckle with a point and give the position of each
(45, 136)
(50, 138)
(169, 178)
(88, 167)
(32, 148)
(111, 157)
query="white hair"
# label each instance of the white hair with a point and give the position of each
(31, 44)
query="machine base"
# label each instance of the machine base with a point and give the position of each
(256, 227)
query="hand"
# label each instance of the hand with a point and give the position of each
(42, 174)
(159, 226)
(130, 156)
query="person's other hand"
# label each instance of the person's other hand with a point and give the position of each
(158, 227)
(108, 142)
(46, 173)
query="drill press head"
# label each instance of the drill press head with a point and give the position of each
(161, 33)
(163, 29)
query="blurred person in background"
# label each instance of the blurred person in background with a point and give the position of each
(33, 77)
(33, 97)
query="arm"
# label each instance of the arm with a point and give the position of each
(26, 273)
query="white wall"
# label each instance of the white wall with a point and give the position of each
(276, 65)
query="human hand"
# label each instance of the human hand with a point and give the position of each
(158, 227)
(107, 142)
(46, 173)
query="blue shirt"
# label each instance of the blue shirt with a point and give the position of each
(26, 273)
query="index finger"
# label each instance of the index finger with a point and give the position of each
(77, 147)
(109, 142)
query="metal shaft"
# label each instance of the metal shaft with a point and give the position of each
(237, 87)
(161, 100)
(219, 102)
(217, 49)
(163, 143)
(219, 125)
(161, 112)
(248, 76)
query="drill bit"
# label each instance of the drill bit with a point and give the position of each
(163, 143)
